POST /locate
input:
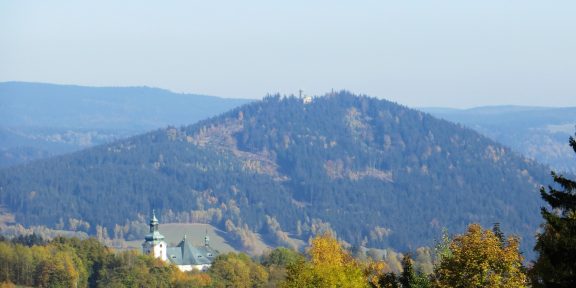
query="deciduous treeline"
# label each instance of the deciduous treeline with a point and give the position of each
(70, 262)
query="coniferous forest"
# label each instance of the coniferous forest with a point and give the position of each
(375, 173)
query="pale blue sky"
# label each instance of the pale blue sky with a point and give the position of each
(418, 53)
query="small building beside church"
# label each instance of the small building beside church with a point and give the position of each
(184, 255)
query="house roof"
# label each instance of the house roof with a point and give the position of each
(187, 254)
(154, 237)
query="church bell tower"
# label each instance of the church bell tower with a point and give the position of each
(154, 243)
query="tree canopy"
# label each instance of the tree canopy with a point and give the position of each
(329, 266)
(479, 259)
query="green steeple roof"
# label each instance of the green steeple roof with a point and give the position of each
(153, 219)
(154, 235)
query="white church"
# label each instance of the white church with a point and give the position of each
(184, 255)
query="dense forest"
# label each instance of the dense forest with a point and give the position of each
(476, 258)
(375, 173)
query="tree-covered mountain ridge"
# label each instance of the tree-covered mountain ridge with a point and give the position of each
(377, 173)
(38, 120)
(538, 133)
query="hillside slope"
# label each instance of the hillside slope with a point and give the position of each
(539, 133)
(39, 120)
(377, 173)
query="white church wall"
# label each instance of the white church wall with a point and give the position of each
(188, 268)
(159, 251)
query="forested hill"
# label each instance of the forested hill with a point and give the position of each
(38, 120)
(539, 133)
(377, 173)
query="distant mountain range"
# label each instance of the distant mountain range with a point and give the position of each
(539, 133)
(39, 120)
(377, 173)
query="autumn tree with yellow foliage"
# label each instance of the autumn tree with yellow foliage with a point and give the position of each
(479, 258)
(329, 266)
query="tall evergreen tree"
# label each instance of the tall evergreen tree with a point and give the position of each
(556, 245)
(388, 280)
(408, 276)
(498, 232)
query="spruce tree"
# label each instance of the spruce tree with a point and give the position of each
(389, 280)
(556, 245)
(408, 276)
(498, 232)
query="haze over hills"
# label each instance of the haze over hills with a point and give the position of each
(377, 173)
(39, 120)
(539, 133)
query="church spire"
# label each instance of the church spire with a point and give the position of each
(153, 222)
(154, 215)
(206, 239)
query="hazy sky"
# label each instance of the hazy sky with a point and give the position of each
(418, 53)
